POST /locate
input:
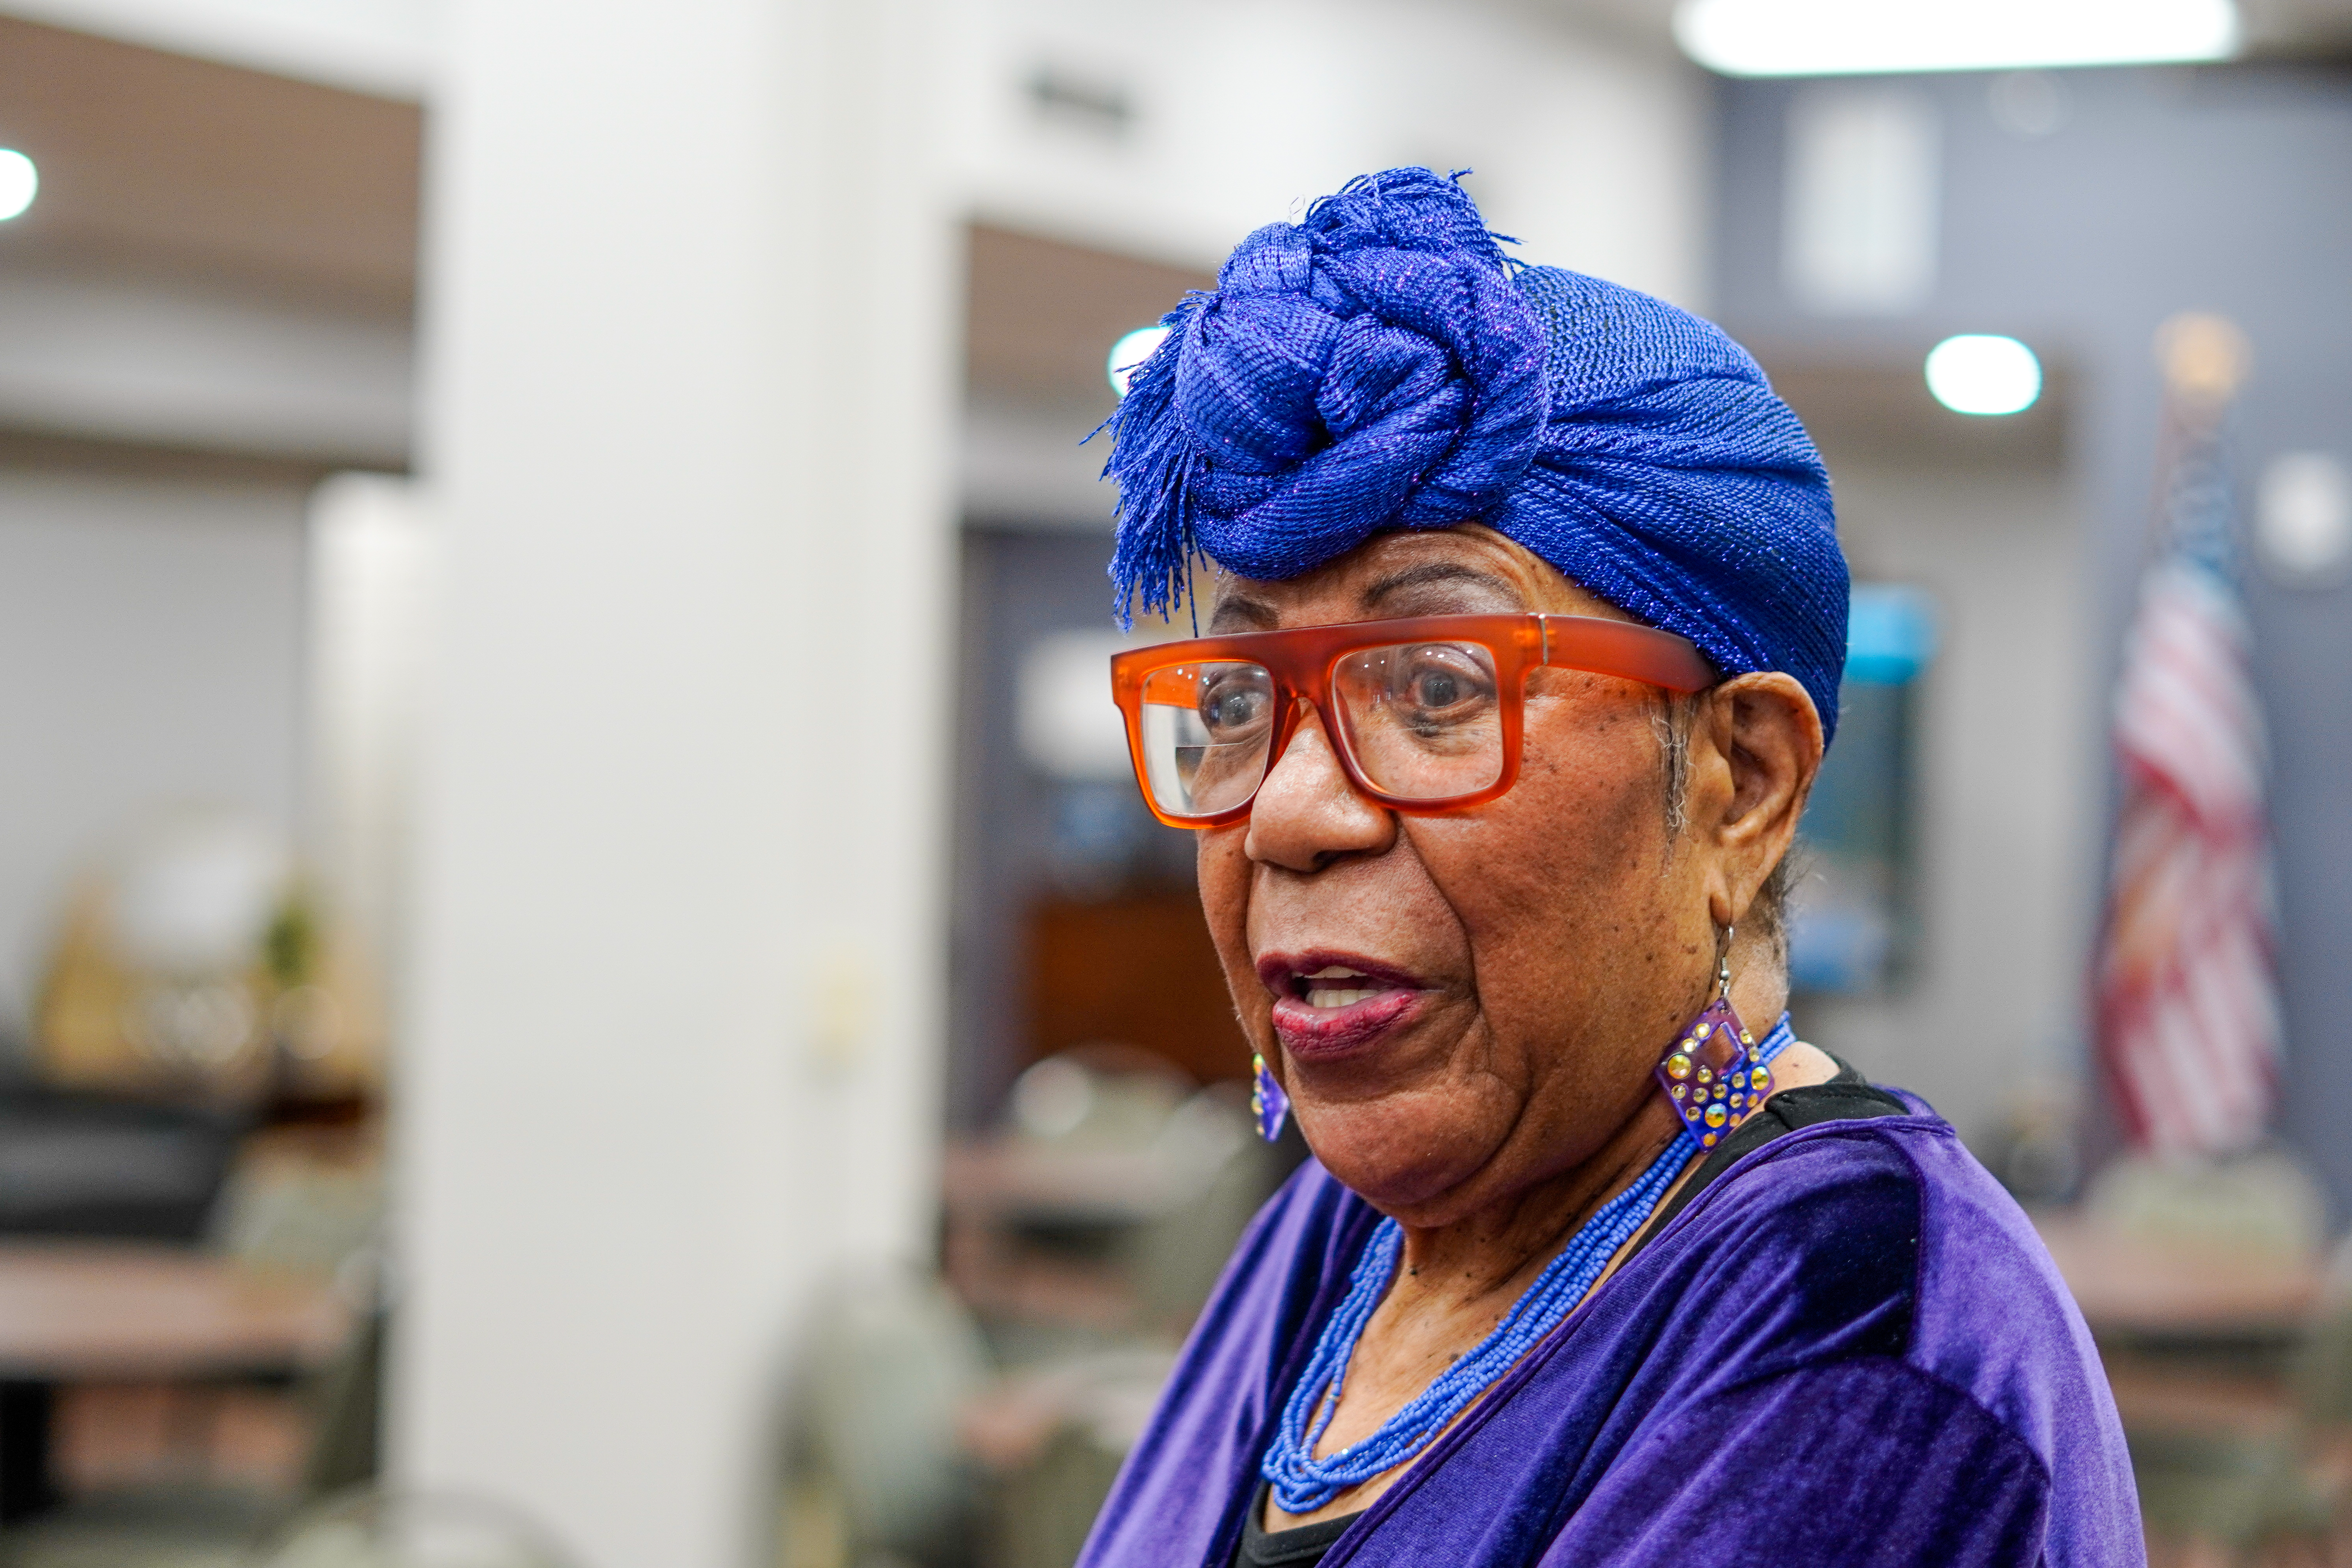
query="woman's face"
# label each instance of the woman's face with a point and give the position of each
(1461, 1005)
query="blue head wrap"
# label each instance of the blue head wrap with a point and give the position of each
(1382, 364)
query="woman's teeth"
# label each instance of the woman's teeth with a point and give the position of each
(1332, 993)
(1338, 1010)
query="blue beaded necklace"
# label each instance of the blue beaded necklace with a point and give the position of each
(1302, 1482)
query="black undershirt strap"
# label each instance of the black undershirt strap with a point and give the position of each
(1300, 1547)
(1848, 1097)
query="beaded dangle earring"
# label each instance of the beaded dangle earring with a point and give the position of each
(1712, 1073)
(1268, 1104)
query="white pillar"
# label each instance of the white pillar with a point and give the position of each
(370, 598)
(673, 1017)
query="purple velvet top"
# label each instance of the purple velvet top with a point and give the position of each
(1850, 1348)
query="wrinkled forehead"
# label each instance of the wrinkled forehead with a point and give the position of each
(1465, 570)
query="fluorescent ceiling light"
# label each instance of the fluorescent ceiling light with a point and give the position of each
(1846, 37)
(19, 183)
(1127, 354)
(1982, 374)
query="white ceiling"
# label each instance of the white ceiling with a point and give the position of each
(389, 47)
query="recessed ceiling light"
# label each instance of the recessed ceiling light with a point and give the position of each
(2305, 519)
(1129, 352)
(1979, 374)
(1840, 38)
(19, 183)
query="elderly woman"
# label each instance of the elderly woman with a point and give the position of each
(1524, 651)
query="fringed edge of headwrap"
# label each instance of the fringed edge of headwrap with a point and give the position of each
(1154, 471)
(1363, 184)
(1153, 464)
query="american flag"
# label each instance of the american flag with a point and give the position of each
(2187, 997)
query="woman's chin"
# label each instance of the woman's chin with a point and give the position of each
(1394, 1166)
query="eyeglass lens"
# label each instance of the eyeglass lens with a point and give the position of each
(1423, 721)
(1206, 728)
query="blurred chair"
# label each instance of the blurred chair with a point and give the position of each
(1226, 1175)
(87, 1165)
(1061, 1430)
(1117, 1190)
(2248, 1493)
(874, 1475)
(198, 1525)
(160, 1527)
(346, 1402)
(2244, 1494)
(302, 1204)
(2267, 1202)
(1089, 1232)
(372, 1529)
(1045, 1510)
(1101, 1095)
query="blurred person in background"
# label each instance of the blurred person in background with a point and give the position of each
(1523, 653)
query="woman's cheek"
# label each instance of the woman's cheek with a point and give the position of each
(1559, 897)
(1222, 874)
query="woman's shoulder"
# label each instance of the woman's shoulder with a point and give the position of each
(1823, 1222)
(1898, 1197)
(1898, 1187)
(1308, 1216)
(1304, 1237)
(1894, 1240)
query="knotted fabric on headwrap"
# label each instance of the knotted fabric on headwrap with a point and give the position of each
(1379, 365)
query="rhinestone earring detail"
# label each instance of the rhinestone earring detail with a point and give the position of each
(1268, 1104)
(1711, 1074)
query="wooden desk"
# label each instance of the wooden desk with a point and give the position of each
(98, 1312)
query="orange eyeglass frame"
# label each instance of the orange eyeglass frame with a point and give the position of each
(1300, 660)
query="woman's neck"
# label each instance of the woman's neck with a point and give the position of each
(1455, 1284)
(1498, 1250)
(1456, 1281)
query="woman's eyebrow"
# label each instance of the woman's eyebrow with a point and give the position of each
(1434, 572)
(1238, 611)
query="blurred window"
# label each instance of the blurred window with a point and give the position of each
(1864, 185)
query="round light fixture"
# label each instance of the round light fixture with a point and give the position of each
(2303, 522)
(1129, 352)
(1977, 373)
(19, 183)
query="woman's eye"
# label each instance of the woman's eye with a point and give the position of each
(1437, 688)
(1227, 708)
(1435, 683)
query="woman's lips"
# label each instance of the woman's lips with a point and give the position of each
(1308, 1031)
(1326, 1004)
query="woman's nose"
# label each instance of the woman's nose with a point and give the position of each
(1306, 812)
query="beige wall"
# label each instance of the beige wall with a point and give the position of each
(1590, 148)
(2009, 748)
(152, 637)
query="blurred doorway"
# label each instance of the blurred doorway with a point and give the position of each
(1075, 921)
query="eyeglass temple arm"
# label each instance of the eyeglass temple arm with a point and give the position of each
(1620, 647)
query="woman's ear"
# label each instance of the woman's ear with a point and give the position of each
(1765, 738)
